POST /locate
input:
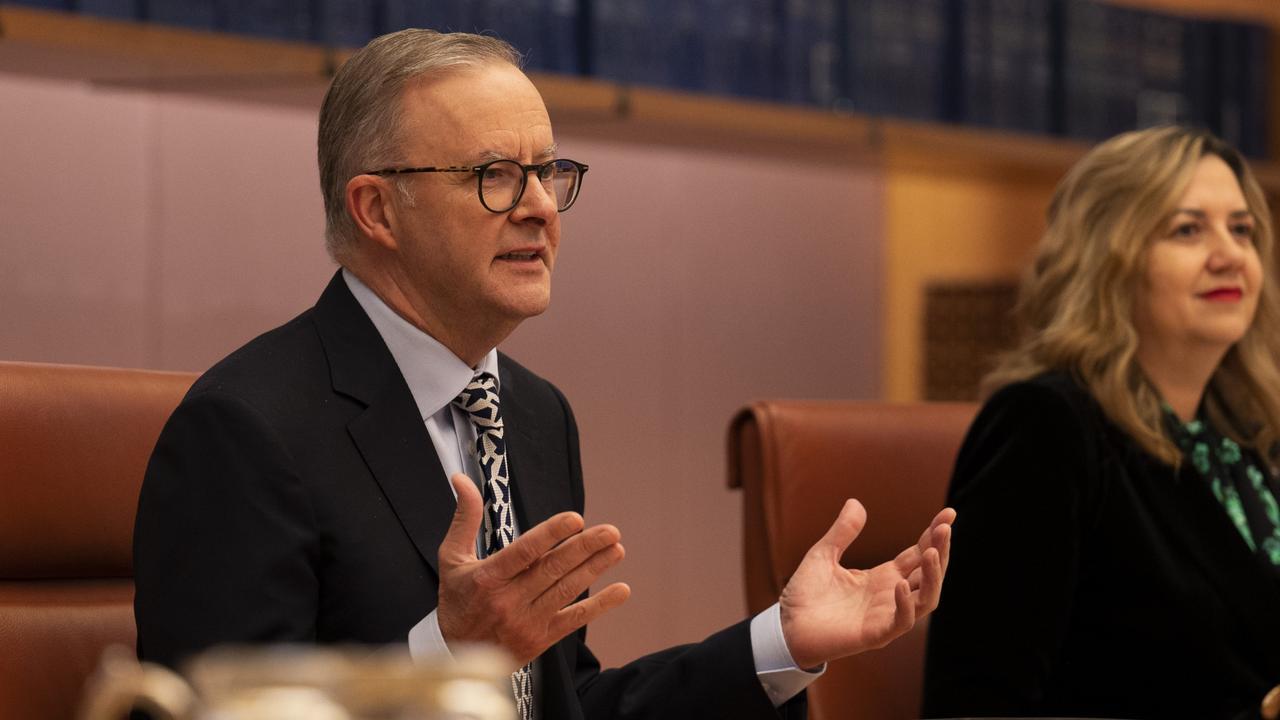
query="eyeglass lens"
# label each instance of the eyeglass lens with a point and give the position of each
(502, 182)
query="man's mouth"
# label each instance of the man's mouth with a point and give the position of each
(526, 255)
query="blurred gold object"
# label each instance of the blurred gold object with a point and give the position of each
(1271, 704)
(305, 683)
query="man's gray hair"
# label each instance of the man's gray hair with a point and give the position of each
(360, 117)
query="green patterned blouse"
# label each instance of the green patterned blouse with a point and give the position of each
(1237, 480)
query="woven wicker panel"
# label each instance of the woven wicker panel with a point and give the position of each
(966, 326)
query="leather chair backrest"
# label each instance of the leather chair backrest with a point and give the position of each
(74, 443)
(796, 462)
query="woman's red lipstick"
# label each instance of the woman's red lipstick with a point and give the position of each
(1226, 294)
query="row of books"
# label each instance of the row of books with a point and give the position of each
(1079, 68)
(550, 33)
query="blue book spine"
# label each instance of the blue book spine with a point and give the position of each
(442, 15)
(514, 21)
(118, 9)
(681, 44)
(46, 4)
(1255, 105)
(977, 104)
(870, 35)
(809, 52)
(1122, 80)
(1161, 98)
(1086, 67)
(741, 48)
(345, 23)
(607, 33)
(622, 49)
(562, 36)
(1199, 64)
(1243, 59)
(1228, 121)
(196, 14)
(943, 92)
(1021, 65)
(282, 19)
(764, 66)
(901, 58)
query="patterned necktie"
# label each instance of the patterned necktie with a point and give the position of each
(479, 400)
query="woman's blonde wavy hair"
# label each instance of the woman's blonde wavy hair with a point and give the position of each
(1075, 306)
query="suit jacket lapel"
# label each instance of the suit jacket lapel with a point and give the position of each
(532, 482)
(390, 434)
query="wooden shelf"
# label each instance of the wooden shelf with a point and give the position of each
(1260, 11)
(98, 49)
(170, 59)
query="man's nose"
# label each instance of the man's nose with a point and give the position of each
(538, 202)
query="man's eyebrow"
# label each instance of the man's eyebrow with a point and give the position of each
(485, 156)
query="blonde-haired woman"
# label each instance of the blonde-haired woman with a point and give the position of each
(1117, 552)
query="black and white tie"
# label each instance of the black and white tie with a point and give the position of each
(479, 400)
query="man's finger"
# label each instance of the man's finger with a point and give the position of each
(585, 611)
(930, 583)
(908, 561)
(848, 524)
(937, 535)
(459, 544)
(945, 516)
(568, 556)
(942, 542)
(915, 578)
(904, 615)
(532, 545)
(562, 592)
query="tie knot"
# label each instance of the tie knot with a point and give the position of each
(479, 399)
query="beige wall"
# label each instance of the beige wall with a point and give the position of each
(162, 230)
(948, 227)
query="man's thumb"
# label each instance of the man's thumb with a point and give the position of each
(460, 541)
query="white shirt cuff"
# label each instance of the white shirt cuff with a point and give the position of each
(425, 640)
(775, 668)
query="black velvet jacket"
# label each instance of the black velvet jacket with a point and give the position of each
(1089, 579)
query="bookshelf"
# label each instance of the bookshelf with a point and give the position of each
(961, 203)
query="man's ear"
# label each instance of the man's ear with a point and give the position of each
(369, 203)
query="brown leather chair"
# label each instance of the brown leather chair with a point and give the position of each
(74, 442)
(796, 462)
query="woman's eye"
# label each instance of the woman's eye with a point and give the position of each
(1244, 233)
(1185, 230)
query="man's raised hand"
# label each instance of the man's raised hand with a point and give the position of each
(522, 598)
(829, 611)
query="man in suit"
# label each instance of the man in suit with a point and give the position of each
(299, 491)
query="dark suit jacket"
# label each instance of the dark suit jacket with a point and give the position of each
(295, 495)
(1089, 579)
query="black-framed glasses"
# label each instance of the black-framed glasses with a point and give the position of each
(501, 183)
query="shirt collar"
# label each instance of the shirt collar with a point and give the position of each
(434, 374)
